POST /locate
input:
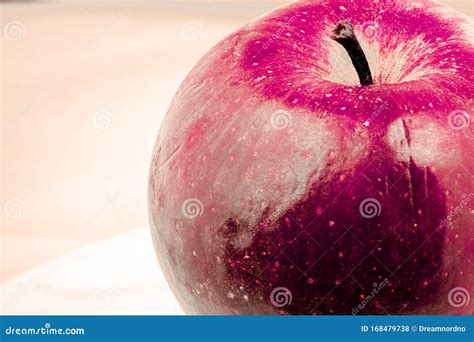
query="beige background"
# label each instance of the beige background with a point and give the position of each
(84, 87)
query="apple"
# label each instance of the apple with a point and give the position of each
(319, 161)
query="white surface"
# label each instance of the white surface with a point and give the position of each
(120, 275)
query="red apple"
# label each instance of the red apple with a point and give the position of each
(319, 161)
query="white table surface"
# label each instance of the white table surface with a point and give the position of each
(119, 275)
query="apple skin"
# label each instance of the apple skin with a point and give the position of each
(279, 185)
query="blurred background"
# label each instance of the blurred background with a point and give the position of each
(84, 87)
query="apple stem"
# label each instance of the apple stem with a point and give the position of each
(344, 35)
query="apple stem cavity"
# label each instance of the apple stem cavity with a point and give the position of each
(344, 35)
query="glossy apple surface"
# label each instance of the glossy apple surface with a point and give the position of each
(280, 185)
